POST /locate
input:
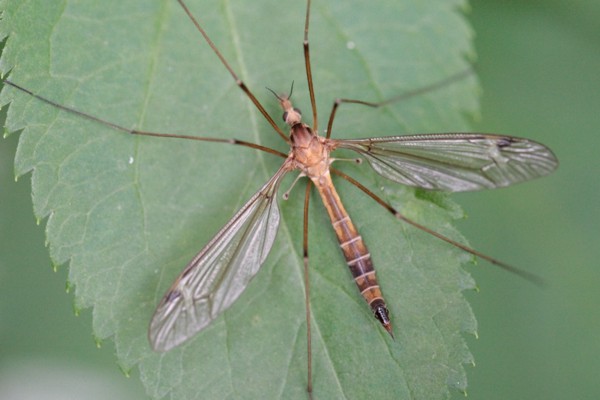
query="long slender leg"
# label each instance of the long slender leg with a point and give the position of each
(412, 93)
(311, 92)
(524, 274)
(309, 78)
(237, 80)
(307, 289)
(143, 133)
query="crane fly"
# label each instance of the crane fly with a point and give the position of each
(220, 272)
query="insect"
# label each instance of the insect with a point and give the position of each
(220, 272)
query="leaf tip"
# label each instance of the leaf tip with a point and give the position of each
(126, 371)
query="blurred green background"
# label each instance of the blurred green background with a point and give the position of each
(539, 64)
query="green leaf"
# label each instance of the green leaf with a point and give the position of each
(127, 213)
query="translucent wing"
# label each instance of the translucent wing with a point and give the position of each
(455, 162)
(220, 272)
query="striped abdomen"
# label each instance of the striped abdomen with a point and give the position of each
(355, 251)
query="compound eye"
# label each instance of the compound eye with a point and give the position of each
(285, 114)
(298, 111)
